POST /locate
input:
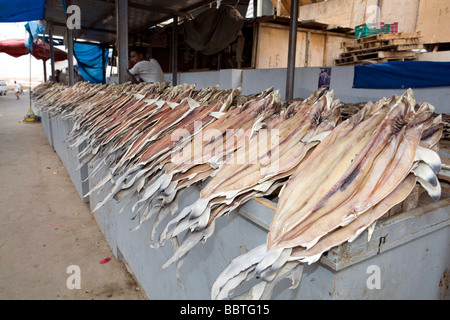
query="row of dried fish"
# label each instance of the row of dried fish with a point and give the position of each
(364, 167)
(337, 178)
(157, 178)
(350, 109)
(259, 167)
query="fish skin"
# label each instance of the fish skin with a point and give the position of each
(324, 201)
(356, 227)
(199, 217)
(396, 160)
(399, 129)
(334, 193)
(335, 153)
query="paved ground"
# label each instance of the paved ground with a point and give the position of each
(44, 226)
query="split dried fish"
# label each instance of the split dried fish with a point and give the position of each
(240, 178)
(365, 166)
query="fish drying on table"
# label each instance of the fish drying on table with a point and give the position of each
(364, 167)
(192, 164)
(108, 131)
(152, 159)
(156, 130)
(160, 179)
(66, 99)
(159, 149)
(257, 169)
(99, 125)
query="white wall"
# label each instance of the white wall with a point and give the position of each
(306, 81)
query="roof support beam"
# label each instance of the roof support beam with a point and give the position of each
(148, 7)
(52, 53)
(122, 38)
(175, 51)
(84, 28)
(290, 74)
(70, 55)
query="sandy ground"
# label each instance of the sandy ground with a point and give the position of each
(45, 228)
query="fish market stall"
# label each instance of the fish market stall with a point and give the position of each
(208, 193)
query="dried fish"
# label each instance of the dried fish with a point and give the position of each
(240, 178)
(336, 178)
(361, 169)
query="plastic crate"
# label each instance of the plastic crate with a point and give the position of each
(370, 29)
(394, 28)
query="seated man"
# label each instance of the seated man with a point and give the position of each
(145, 70)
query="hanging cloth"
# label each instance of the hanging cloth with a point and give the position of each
(213, 30)
(92, 60)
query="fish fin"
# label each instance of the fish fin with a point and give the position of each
(216, 115)
(430, 157)
(425, 172)
(238, 267)
(171, 208)
(192, 103)
(433, 192)
(270, 273)
(139, 96)
(270, 258)
(370, 230)
(150, 101)
(100, 184)
(191, 239)
(425, 176)
(168, 230)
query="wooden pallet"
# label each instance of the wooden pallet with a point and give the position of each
(380, 48)
(383, 43)
(376, 57)
(398, 48)
(383, 37)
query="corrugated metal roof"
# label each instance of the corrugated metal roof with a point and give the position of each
(98, 20)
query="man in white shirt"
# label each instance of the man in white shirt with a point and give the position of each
(16, 89)
(145, 70)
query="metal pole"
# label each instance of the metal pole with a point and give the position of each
(52, 53)
(175, 52)
(122, 36)
(292, 50)
(70, 55)
(45, 70)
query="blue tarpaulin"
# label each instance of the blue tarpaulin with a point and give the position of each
(34, 28)
(92, 60)
(402, 74)
(21, 10)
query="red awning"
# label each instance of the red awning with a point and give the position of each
(41, 50)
